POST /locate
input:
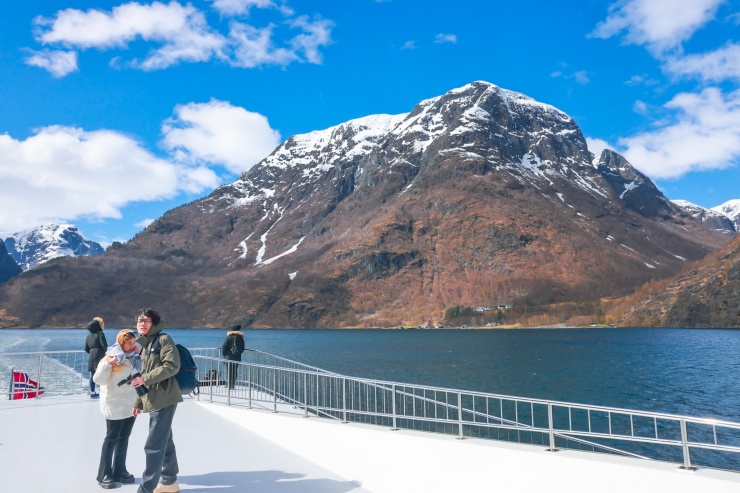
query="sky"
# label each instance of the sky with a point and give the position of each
(113, 112)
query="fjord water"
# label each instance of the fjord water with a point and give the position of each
(682, 371)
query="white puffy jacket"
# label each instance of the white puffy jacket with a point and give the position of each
(115, 402)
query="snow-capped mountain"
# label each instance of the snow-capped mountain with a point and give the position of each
(731, 209)
(8, 267)
(712, 218)
(478, 197)
(35, 246)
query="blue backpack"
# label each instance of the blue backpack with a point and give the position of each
(187, 376)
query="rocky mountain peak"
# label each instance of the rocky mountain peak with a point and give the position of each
(731, 209)
(478, 197)
(711, 218)
(35, 246)
(8, 267)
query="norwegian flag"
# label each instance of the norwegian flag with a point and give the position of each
(24, 387)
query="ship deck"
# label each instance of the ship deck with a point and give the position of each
(54, 445)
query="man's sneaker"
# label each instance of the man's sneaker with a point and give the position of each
(168, 488)
(94, 395)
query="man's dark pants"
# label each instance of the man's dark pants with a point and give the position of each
(161, 457)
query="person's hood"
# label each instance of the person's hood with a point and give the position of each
(94, 326)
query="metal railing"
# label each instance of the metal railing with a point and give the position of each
(686, 440)
(283, 385)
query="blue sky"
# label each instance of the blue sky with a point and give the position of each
(113, 112)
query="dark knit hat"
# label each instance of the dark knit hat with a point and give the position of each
(236, 327)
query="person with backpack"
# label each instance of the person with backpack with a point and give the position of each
(160, 363)
(95, 346)
(232, 350)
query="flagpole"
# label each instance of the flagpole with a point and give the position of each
(38, 379)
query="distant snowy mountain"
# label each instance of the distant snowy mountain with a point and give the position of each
(8, 267)
(731, 209)
(712, 218)
(35, 246)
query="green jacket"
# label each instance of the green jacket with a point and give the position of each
(159, 370)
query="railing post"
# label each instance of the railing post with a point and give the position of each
(393, 404)
(551, 427)
(11, 394)
(459, 417)
(344, 400)
(685, 446)
(274, 390)
(249, 386)
(305, 395)
(229, 369)
(210, 389)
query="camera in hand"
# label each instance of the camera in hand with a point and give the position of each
(140, 390)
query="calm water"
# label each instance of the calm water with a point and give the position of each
(684, 371)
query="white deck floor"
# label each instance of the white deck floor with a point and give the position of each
(54, 445)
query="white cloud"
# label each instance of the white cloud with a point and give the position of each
(409, 45)
(595, 146)
(57, 62)
(219, 133)
(64, 173)
(661, 25)
(580, 76)
(253, 47)
(180, 33)
(714, 66)
(640, 107)
(317, 33)
(445, 38)
(240, 7)
(144, 223)
(704, 134)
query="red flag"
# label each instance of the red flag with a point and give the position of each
(24, 387)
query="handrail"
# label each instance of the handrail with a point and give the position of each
(386, 402)
(290, 386)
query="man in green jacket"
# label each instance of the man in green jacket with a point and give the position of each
(160, 362)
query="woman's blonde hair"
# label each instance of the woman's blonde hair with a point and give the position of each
(122, 337)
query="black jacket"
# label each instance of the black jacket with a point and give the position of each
(95, 345)
(234, 340)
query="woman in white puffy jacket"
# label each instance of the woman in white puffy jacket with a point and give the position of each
(116, 403)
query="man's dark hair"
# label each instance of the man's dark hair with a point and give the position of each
(148, 312)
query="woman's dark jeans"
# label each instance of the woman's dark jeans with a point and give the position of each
(115, 445)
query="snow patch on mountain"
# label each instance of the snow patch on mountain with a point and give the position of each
(714, 218)
(33, 247)
(731, 209)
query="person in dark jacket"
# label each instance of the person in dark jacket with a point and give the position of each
(232, 349)
(160, 362)
(95, 346)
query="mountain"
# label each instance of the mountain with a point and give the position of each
(707, 295)
(712, 218)
(479, 197)
(731, 209)
(35, 246)
(8, 267)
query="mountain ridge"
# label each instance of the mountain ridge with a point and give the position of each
(477, 197)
